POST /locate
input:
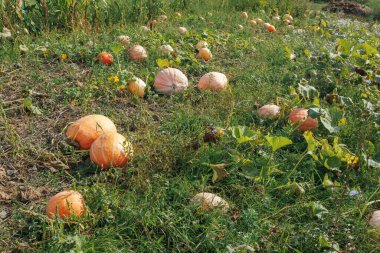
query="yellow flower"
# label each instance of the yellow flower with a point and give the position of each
(116, 79)
(63, 56)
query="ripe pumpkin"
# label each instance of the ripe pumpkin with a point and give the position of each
(271, 29)
(268, 111)
(124, 40)
(111, 149)
(201, 44)
(244, 14)
(137, 87)
(375, 219)
(65, 204)
(266, 25)
(209, 201)
(137, 53)
(205, 54)
(170, 81)
(166, 49)
(301, 116)
(87, 129)
(105, 58)
(252, 22)
(259, 21)
(287, 22)
(153, 22)
(214, 81)
(182, 30)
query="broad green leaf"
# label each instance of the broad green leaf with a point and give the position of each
(278, 142)
(219, 170)
(330, 119)
(307, 91)
(332, 163)
(327, 182)
(312, 143)
(307, 53)
(242, 134)
(163, 63)
(117, 49)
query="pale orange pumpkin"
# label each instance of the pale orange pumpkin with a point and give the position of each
(137, 87)
(244, 14)
(166, 49)
(145, 28)
(209, 202)
(301, 116)
(170, 81)
(178, 14)
(87, 129)
(137, 53)
(259, 21)
(205, 54)
(287, 17)
(201, 44)
(65, 204)
(214, 81)
(271, 29)
(153, 22)
(124, 40)
(252, 22)
(268, 111)
(266, 25)
(240, 27)
(287, 22)
(182, 30)
(111, 149)
(163, 17)
(105, 58)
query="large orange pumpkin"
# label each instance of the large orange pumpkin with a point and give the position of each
(214, 81)
(301, 116)
(137, 86)
(268, 111)
(137, 53)
(205, 54)
(271, 29)
(170, 81)
(105, 58)
(111, 149)
(65, 204)
(87, 129)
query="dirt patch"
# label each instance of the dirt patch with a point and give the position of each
(348, 7)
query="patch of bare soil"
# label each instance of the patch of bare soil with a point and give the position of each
(348, 7)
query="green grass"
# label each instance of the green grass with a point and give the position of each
(146, 208)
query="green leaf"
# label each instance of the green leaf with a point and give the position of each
(117, 49)
(307, 53)
(332, 163)
(219, 170)
(327, 182)
(278, 142)
(330, 119)
(307, 91)
(312, 143)
(27, 102)
(242, 134)
(163, 63)
(317, 209)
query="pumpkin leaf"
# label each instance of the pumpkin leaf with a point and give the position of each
(219, 170)
(117, 49)
(330, 119)
(278, 142)
(163, 63)
(332, 163)
(28, 104)
(242, 134)
(307, 91)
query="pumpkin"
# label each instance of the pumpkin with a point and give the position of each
(163, 17)
(182, 30)
(259, 21)
(276, 18)
(271, 29)
(153, 22)
(375, 219)
(170, 81)
(111, 149)
(266, 25)
(87, 129)
(252, 22)
(137, 53)
(209, 201)
(301, 116)
(178, 14)
(65, 204)
(124, 40)
(240, 27)
(268, 111)
(105, 58)
(137, 87)
(201, 44)
(205, 54)
(287, 22)
(166, 49)
(214, 81)
(145, 28)
(244, 14)
(287, 17)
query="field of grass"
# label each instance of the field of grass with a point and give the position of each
(313, 195)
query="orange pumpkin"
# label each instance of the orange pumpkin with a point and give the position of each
(170, 81)
(271, 29)
(205, 54)
(214, 81)
(87, 129)
(137, 87)
(244, 14)
(137, 53)
(301, 116)
(111, 149)
(268, 111)
(182, 30)
(153, 22)
(105, 58)
(65, 204)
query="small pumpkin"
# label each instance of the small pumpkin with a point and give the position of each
(163, 17)
(259, 21)
(166, 49)
(201, 44)
(105, 58)
(178, 14)
(209, 202)
(287, 17)
(375, 219)
(153, 22)
(145, 28)
(205, 54)
(252, 22)
(240, 27)
(268, 111)
(301, 116)
(271, 29)
(287, 22)
(214, 81)
(65, 204)
(182, 30)
(170, 81)
(137, 53)
(87, 129)
(137, 87)
(124, 40)
(244, 14)
(111, 149)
